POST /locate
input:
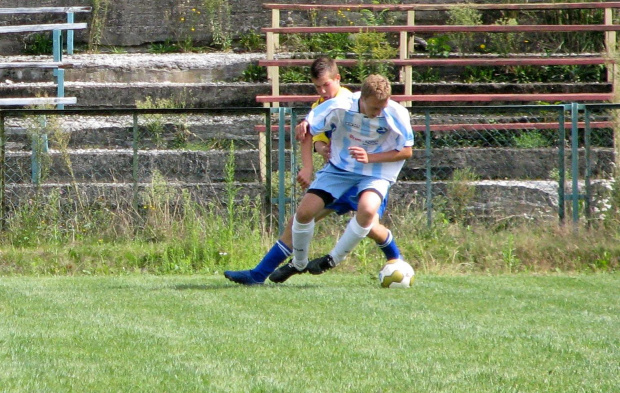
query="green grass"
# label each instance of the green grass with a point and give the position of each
(334, 333)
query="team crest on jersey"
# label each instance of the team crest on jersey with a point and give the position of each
(382, 130)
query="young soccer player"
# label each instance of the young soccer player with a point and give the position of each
(326, 79)
(371, 137)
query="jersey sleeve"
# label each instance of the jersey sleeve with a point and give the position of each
(320, 118)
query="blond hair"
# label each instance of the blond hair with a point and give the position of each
(377, 86)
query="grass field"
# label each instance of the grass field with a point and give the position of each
(334, 333)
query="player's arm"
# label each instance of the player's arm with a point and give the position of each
(304, 176)
(322, 145)
(361, 155)
(301, 130)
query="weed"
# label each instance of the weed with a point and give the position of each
(252, 41)
(38, 44)
(254, 73)
(467, 16)
(164, 47)
(157, 125)
(97, 24)
(438, 46)
(531, 140)
(460, 192)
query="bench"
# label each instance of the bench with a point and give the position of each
(38, 101)
(56, 64)
(70, 11)
(549, 97)
(406, 40)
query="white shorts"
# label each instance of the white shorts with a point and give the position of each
(336, 182)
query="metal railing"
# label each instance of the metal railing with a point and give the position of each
(469, 163)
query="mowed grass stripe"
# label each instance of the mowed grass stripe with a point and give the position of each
(336, 332)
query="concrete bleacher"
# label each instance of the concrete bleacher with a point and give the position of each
(55, 61)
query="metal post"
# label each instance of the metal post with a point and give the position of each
(561, 167)
(429, 180)
(588, 169)
(60, 86)
(57, 45)
(575, 160)
(135, 162)
(294, 165)
(59, 74)
(2, 173)
(39, 147)
(70, 19)
(268, 168)
(281, 168)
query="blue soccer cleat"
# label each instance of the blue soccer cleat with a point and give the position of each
(243, 277)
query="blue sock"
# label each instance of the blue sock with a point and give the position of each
(389, 247)
(278, 253)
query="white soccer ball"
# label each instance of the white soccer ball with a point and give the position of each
(396, 274)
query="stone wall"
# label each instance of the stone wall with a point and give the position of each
(132, 23)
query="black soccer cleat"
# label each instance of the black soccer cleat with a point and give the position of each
(321, 265)
(284, 273)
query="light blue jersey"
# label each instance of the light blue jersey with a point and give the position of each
(341, 119)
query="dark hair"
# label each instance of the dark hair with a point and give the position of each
(323, 66)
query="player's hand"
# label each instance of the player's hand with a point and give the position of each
(359, 154)
(304, 177)
(324, 150)
(301, 130)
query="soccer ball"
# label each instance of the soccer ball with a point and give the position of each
(396, 274)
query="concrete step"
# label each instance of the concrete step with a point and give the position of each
(137, 67)
(117, 165)
(110, 132)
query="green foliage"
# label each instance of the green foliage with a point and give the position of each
(465, 15)
(157, 125)
(190, 18)
(460, 192)
(295, 75)
(568, 42)
(164, 47)
(439, 46)
(371, 49)
(534, 74)
(38, 44)
(506, 43)
(427, 75)
(531, 140)
(254, 73)
(97, 23)
(480, 74)
(252, 41)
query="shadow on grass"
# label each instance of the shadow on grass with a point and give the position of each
(227, 285)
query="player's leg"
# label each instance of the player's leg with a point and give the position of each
(302, 230)
(383, 236)
(277, 254)
(379, 233)
(329, 184)
(357, 229)
(384, 239)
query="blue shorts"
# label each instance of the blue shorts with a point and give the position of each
(345, 186)
(348, 203)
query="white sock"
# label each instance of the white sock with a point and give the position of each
(350, 238)
(302, 235)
